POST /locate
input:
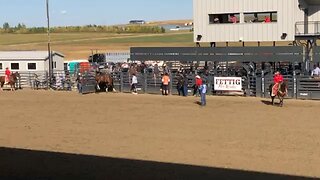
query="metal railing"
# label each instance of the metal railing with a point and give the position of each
(309, 28)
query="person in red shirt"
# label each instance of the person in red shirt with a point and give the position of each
(7, 75)
(267, 19)
(278, 78)
(197, 85)
(233, 19)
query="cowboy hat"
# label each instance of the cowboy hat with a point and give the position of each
(197, 76)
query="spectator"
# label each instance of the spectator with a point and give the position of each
(267, 19)
(216, 20)
(156, 70)
(79, 82)
(134, 83)
(185, 85)
(233, 19)
(36, 81)
(165, 69)
(68, 82)
(180, 84)
(165, 84)
(255, 19)
(203, 92)
(315, 72)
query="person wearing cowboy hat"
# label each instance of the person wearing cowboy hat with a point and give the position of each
(7, 75)
(196, 90)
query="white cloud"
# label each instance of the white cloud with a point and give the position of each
(63, 12)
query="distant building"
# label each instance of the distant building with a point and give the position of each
(137, 22)
(23, 61)
(115, 57)
(255, 20)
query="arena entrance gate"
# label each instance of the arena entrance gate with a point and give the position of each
(88, 83)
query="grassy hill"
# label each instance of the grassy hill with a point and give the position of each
(80, 45)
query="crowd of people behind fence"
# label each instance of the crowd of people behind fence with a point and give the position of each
(158, 70)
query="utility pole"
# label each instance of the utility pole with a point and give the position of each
(49, 44)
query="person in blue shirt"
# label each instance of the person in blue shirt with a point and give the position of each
(203, 92)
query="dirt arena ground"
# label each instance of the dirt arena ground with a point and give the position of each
(243, 134)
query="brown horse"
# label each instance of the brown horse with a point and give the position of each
(104, 82)
(12, 81)
(281, 93)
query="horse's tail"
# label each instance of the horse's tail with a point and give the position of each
(270, 88)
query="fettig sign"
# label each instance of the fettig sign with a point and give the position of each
(227, 83)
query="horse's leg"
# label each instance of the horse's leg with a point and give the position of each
(281, 100)
(107, 88)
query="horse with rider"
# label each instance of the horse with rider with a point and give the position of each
(9, 79)
(279, 88)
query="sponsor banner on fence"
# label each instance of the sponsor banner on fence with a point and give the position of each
(227, 83)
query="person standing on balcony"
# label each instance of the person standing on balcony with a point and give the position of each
(233, 19)
(267, 19)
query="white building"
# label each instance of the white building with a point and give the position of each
(286, 20)
(117, 57)
(23, 61)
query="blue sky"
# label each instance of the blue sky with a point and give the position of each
(83, 12)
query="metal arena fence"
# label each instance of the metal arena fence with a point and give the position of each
(299, 87)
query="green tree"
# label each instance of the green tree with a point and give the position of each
(6, 26)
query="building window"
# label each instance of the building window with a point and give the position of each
(259, 17)
(1, 66)
(15, 66)
(32, 66)
(54, 65)
(224, 18)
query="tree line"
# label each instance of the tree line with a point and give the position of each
(23, 29)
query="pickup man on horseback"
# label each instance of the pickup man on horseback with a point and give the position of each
(278, 79)
(7, 75)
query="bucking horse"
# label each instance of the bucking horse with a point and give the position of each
(104, 82)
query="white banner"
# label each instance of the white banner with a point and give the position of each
(227, 83)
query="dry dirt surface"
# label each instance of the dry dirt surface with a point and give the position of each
(63, 135)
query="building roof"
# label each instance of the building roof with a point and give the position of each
(313, 2)
(26, 55)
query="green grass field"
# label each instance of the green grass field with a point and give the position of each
(141, 38)
(16, 39)
(79, 45)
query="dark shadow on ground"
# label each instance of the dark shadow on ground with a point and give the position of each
(20, 164)
(198, 103)
(268, 102)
